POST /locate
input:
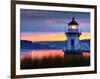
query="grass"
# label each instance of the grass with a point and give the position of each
(69, 60)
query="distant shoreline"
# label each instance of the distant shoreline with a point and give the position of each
(52, 45)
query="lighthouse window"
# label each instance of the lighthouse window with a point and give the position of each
(74, 27)
(72, 43)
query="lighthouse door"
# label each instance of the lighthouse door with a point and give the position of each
(72, 44)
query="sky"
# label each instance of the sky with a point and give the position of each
(46, 25)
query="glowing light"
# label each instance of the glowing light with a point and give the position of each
(73, 26)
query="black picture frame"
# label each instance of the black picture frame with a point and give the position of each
(13, 38)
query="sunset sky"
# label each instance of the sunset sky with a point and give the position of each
(39, 25)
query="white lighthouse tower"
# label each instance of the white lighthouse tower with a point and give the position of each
(73, 35)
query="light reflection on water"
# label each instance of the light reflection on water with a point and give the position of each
(45, 54)
(41, 54)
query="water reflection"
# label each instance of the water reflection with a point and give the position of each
(39, 54)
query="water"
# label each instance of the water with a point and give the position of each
(34, 54)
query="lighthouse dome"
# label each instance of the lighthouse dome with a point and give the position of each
(73, 22)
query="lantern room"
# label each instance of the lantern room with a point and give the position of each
(73, 24)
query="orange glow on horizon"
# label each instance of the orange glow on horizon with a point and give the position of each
(53, 37)
(85, 35)
(50, 37)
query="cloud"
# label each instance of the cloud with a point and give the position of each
(52, 21)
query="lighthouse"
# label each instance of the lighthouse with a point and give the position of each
(73, 35)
